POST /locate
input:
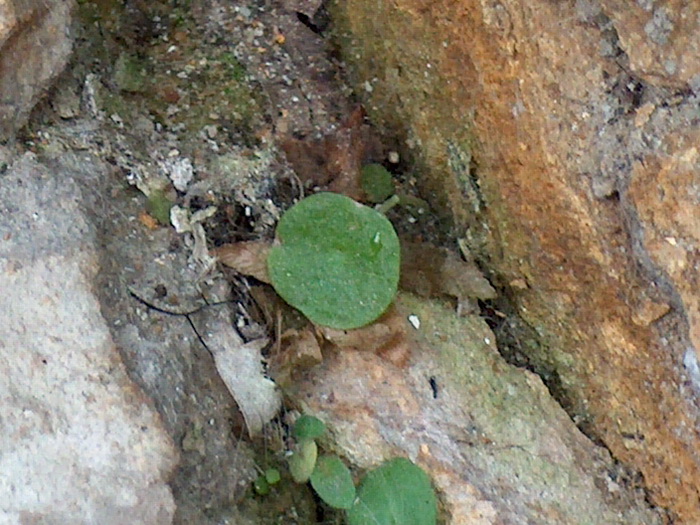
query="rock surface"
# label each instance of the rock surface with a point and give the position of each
(513, 457)
(161, 352)
(496, 444)
(563, 138)
(35, 44)
(661, 39)
(80, 442)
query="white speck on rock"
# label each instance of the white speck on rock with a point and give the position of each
(414, 320)
(180, 219)
(690, 362)
(180, 171)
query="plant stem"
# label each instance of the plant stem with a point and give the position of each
(388, 204)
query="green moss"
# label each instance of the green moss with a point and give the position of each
(214, 90)
(158, 206)
(130, 74)
(235, 68)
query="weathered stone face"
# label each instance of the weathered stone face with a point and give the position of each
(34, 47)
(573, 169)
(660, 38)
(81, 443)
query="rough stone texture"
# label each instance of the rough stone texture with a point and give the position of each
(492, 439)
(80, 442)
(661, 39)
(571, 168)
(161, 352)
(34, 48)
(665, 191)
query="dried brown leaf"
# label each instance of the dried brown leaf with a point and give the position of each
(298, 350)
(334, 162)
(240, 366)
(430, 271)
(248, 258)
(386, 337)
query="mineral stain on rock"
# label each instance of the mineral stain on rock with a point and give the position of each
(549, 111)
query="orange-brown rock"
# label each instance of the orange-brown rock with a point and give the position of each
(562, 136)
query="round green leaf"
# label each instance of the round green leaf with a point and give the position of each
(272, 476)
(376, 181)
(303, 460)
(338, 261)
(396, 493)
(308, 427)
(261, 486)
(332, 481)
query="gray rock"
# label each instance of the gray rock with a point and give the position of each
(80, 443)
(161, 352)
(34, 47)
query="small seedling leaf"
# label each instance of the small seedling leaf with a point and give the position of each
(308, 427)
(303, 460)
(272, 476)
(337, 261)
(396, 493)
(332, 481)
(376, 181)
(261, 486)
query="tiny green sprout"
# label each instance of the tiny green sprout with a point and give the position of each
(303, 460)
(261, 486)
(377, 183)
(308, 427)
(272, 476)
(336, 260)
(398, 492)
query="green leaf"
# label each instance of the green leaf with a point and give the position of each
(332, 481)
(377, 183)
(261, 486)
(396, 493)
(272, 476)
(308, 427)
(338, 261)
(303, 460)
